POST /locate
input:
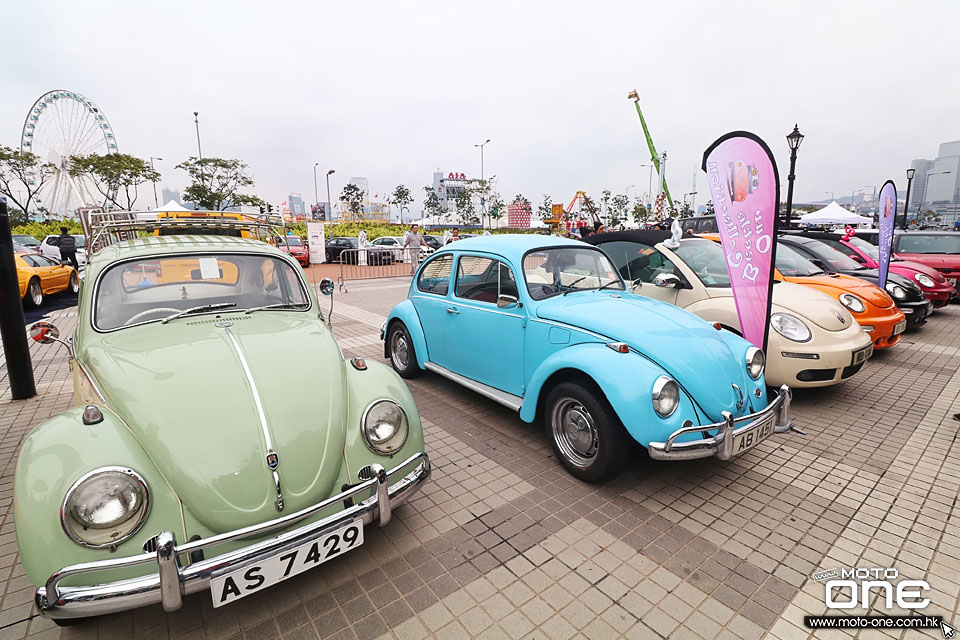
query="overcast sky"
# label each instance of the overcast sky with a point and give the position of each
(394, 90)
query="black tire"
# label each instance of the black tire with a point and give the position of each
(403, 355)
(585, 432)
(69, 622)
(34, 297)
(74, 286)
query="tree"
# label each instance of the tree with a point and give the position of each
(114, 174)
(618, 209)
(402, 198)
(545, 210)
(639, 211)
(497, 208)
(352, 196)
(215, 182)
(605, 205)
(931, 216)
(709, 210)
(432, 206)
(24, 168)
(465, 208)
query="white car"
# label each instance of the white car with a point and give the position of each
(50, 247)
(396, 243)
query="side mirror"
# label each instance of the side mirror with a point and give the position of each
(45, 333)
(666, 280)
(636, 284)
(326, 287)
(504, 301)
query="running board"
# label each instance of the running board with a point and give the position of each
(506, 399)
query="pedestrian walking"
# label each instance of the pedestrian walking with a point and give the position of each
(412, 242)
(68, 248)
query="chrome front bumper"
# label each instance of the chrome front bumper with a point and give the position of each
(721, 445)
(171, 581)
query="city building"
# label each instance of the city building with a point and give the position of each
(362, 184)
(449, 185)
(169, 195)
(936, 185)
(297, 207)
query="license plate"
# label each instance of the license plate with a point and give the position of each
(256, 577)
(897, 330)
(861, 355)
(743, 442)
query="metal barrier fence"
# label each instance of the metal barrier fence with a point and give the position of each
(371, 263)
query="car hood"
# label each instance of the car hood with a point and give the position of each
(935, 260)
(685, 346)
(183, 392)
(805, 302)
(907, 266)
(843, 283)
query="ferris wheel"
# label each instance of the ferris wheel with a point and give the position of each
(62, 124)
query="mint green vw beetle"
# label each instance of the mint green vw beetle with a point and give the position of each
(220, 443)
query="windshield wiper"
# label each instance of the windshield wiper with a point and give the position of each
(570, 286)
(279, 305)
(203, 307)
(612, 282)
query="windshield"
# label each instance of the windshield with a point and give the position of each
(27, 241)
(292, 241)
(872, 251)
(834, 260)
(552, 271)
(792, 265)
(705, 258)
(150, 289)
(928, 243)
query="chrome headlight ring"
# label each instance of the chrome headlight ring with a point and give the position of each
(384, 427)
(852, 302)
(756, 362)
(105, 507)
(790, 327)
(665, 396)
(896, 291)
(923, 280)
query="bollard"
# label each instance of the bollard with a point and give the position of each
(12, 326)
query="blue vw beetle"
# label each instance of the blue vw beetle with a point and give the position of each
(547, 327)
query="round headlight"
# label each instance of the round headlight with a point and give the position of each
(755, 362)
(923, 279)
(852, 302)
(790, 327)
(385, 427)
(666, 396)
(896, 291)
(105, 507)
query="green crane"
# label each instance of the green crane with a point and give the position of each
(654, 157)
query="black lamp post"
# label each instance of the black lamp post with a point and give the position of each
(793, 141)
(328, 214)
(906, 204)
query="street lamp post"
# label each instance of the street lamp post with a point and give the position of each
(155, 199)
(627, 190)
(793, 141)
(329, 211)
(196, 121)
(906, 203)
(482, 145)
(649, 185)
(316, 194)
(926, 186)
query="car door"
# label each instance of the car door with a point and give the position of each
(431, 300)
(487, 340)
(57, 276)
(641, 263)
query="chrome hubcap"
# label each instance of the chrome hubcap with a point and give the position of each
(399, 350)
(74, 283)
(575, 432)
(36, 293)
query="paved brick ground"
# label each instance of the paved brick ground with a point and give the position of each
(504, 544)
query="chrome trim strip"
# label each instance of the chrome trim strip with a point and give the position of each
(101, 599)
(506, 399)
(264, 427)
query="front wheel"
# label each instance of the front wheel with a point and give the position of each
(585, 433)
(403, 357)
(74, 283)
(34, 297)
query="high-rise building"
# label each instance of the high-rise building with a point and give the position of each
(936, 185)
(169, 195)
(449, 186)
(295, 202)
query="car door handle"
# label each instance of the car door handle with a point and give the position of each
(452, 310)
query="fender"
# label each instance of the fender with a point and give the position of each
(377, 382)
(626, 380)
(54, 456)
(406, 312)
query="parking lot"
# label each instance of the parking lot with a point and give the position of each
(503, 543)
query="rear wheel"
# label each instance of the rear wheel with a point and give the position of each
(585, 433)
(34, 297)
(74, 283)
(403, 356)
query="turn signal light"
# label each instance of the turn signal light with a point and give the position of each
(619, 347)
(359, 364)
(717, 326)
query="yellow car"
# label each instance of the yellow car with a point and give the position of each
(40, 276)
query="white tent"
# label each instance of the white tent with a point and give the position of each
(833, 214)
(171, 206)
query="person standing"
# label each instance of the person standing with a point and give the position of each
(455, 234)
(68, 248)
(412, 242)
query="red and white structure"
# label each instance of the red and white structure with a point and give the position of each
(518, 216)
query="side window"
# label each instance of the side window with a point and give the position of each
(43, 261)
(637, 261)
(839, 246)
(53, 241)
(806, 254)
(484, 279)
(435, 276)
(30, 261)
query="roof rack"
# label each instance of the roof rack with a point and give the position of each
(103, 228)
